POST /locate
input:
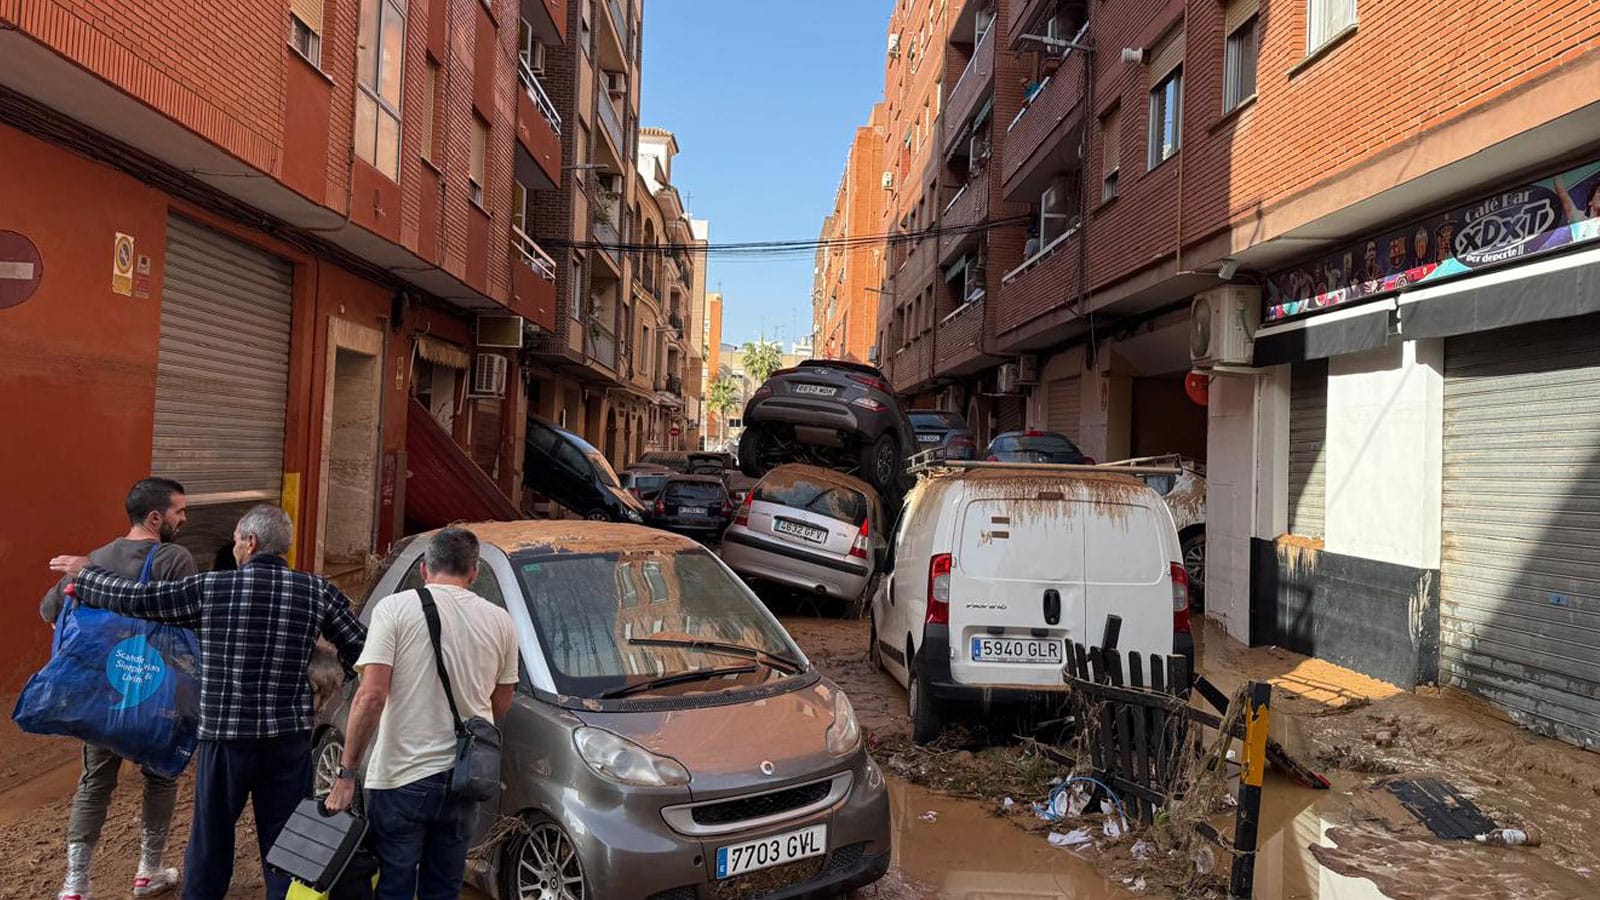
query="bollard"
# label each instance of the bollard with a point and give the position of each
(1258, 698)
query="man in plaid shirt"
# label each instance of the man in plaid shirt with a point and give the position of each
(257, 627)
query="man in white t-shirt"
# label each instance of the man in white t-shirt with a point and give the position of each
(420, 833)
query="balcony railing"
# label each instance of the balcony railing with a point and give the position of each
(675, 385)
(536, 92)
(613, 125)
(970, 89)
(603, 347)
(967, 211)
(675, 320)
(533, 255)
(1053, 112)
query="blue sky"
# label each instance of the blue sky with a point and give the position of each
(764, 97)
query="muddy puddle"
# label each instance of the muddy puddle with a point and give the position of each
(956, 849)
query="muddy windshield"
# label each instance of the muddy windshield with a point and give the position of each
(608, 475)
(935, 419)
(799, 492)
(592, 610)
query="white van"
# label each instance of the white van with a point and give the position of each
(993, 567)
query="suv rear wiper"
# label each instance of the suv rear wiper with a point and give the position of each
(678, 678)
(759, 655)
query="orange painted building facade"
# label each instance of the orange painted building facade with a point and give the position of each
(845, 301)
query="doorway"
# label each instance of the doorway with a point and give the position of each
(347, 499)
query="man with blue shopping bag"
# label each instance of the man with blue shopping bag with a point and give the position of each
(156, 510)
(257, 626)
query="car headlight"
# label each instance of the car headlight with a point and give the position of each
(844, 735)
(633, 515)
(621, 760)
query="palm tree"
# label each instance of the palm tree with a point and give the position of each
(761, 358)
(724, 396)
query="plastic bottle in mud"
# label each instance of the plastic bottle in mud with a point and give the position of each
(1511, 837)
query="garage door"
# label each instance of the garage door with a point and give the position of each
(222, 378)
(1520, 589)
(1064, 406)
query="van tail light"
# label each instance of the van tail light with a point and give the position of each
(877, 384)
(858, 550)
(991, 458)
(742, 517)
(939, 589)
(1180, 598)
(727, 508)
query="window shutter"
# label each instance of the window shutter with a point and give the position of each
(1111, 142)
(480, 140)
(1167, 58)
(1238, 13)
(309, 12)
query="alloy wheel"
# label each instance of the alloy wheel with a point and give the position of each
(330, 755)
(548, 867)
(1194, 563)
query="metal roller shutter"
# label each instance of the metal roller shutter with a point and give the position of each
(222, 379)
(1520, 579)
(1308, 433)
(1064, 406)
(1008, 414)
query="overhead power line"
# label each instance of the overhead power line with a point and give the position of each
(770, 249)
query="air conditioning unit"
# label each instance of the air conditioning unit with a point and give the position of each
(979, 148)
(1222, 326)
(500, 332)
(488, 375)
(616, 83)
(536, 58)
(894, 44)
(1007, 380)
(888, 180)
(1028, 368)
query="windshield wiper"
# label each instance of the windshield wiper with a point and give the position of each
(755, 653)
(678, 678)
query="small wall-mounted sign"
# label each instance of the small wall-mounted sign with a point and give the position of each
(21, 269)
(122, 265)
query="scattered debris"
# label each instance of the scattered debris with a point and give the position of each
(1078, 837)
(1007, 803)
(930, 816)
(1510, 837)
(1142, 850)
(1205, 860)
(1442, 808)
(1113, 829)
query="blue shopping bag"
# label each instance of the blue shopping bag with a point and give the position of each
(125, 684)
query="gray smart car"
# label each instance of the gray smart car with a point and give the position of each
(668, 739)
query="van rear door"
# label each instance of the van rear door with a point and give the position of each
(1016, 588)
(1130, 546)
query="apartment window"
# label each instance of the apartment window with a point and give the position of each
(1166, 118)
(519, 206)
(1110, 154)
(1055, 211)
(575, 302)
(981, 24)
(1326, 20)
(1243, 27)
(480, 149)
(381, 51)
(430, 95)
(644, 350)
(305, 29)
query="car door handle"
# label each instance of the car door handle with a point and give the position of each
(1052, 607)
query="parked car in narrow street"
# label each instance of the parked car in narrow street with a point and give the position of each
(726, 467)
(695, 506)
(644, 481)
(668, 738)
(1035, 447)
(810, 529)
(946, 431)
(994, 568)
(841, 415)
(567, 469)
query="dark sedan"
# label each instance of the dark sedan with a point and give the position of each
(693, 505)
(1036, 447)
(567, 469)
(947, 431)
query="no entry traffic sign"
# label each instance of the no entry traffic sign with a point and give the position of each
(21, 268)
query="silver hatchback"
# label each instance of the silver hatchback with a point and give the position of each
(667, 740)
(808, 528)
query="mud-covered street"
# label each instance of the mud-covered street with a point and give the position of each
(956, 838)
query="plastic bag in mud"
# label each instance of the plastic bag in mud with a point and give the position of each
(125, 684)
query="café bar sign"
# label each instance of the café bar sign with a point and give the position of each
(1528, 221)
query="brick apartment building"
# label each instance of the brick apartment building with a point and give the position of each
(848, 275)
(1403, 357)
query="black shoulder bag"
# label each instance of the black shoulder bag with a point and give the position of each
(476, 776)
